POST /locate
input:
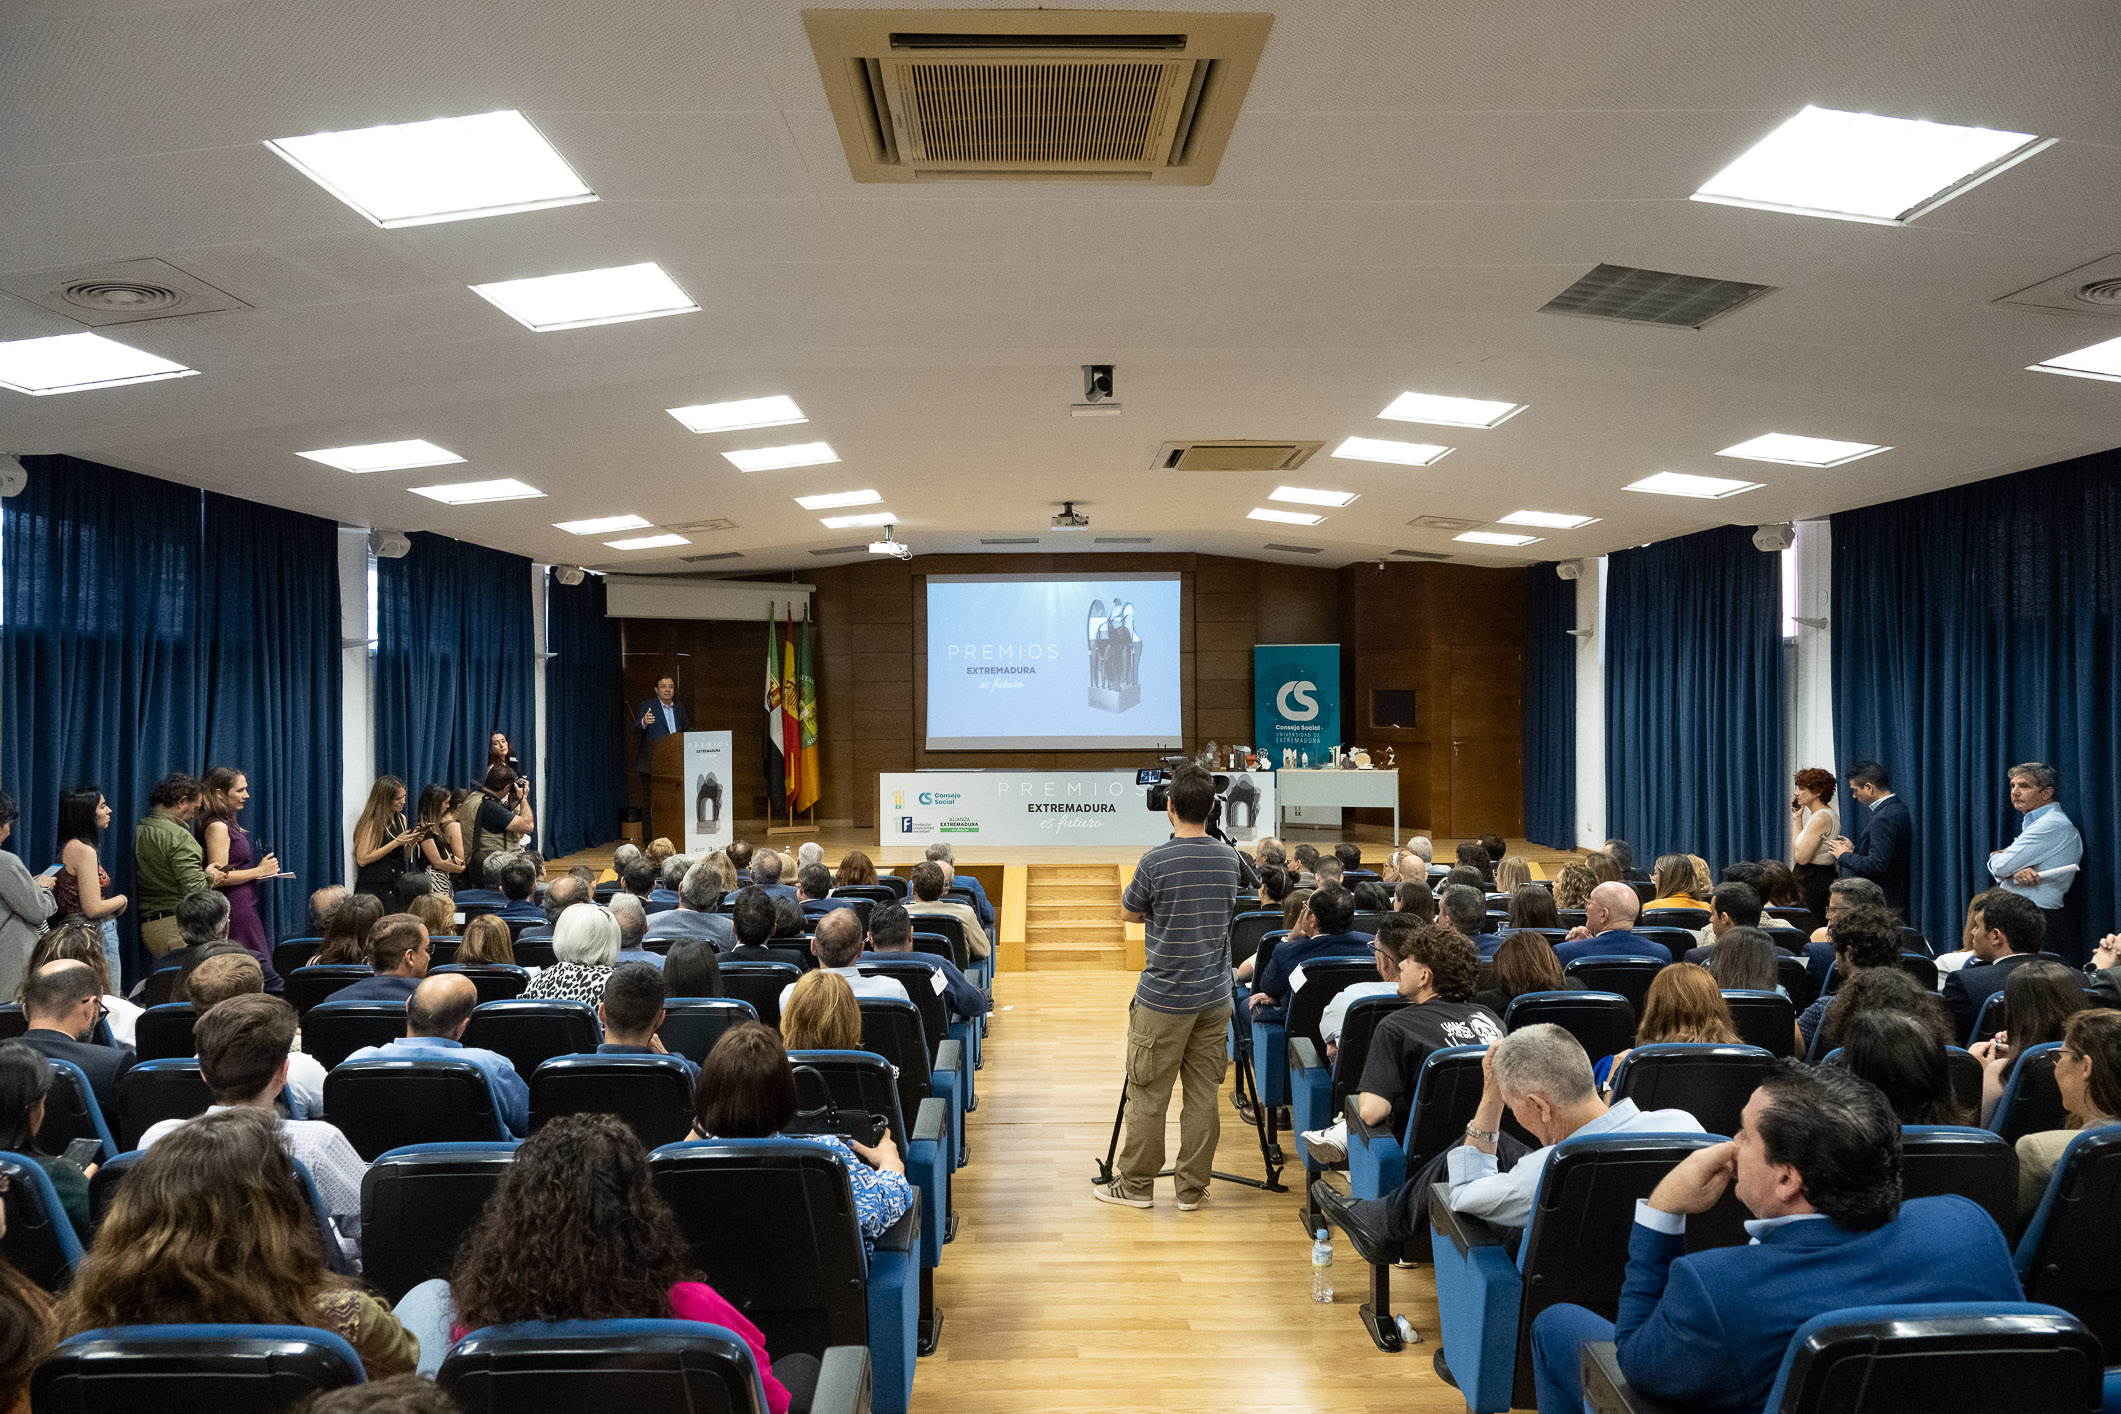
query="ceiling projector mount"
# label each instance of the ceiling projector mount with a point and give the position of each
(1097, 393)
(897, 549)
(1070, 518)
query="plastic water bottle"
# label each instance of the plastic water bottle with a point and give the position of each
(1322, 1267)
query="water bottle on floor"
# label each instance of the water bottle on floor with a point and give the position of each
(1322, 1267)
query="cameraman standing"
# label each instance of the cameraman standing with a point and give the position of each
(497, 817)
(1180, 1015)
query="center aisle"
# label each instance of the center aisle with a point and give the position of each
(1054, 1301)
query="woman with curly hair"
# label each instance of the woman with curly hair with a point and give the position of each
(1812, 824)
(1573, 885)
(855, 868)
(576, 1231)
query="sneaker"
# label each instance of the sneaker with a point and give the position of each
(1328, 1145)
(1109, 1193)
(1192, 1207)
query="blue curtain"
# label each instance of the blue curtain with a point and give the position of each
(1549, 708)
(454, 652)
(585, 780)
(1694, 698)
(1975, 628)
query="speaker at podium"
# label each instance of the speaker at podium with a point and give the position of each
(691, 791)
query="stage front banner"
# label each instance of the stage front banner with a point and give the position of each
(1090, 808)
(708, 773)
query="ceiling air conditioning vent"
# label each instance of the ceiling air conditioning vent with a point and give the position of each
(1233, 454)
(843, 550)
(704, 559)
(1297, 549)
(1035, 95)
(1009, 540)
(2089, 289)
(1451, 524)
(1418, 555)
(1652, 297)
(120, 292)
(700, 527)
(1123, 540)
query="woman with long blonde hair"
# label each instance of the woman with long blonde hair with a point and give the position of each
(382, 842)
(821, 1014)
(1684, 1004)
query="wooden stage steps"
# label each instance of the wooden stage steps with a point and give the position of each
(1071, 917)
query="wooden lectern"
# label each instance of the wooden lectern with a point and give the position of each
(666, 792)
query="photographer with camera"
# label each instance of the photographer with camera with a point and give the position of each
(497, 817)
(1176, 1025)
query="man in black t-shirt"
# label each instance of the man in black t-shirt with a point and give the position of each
(1436, 972)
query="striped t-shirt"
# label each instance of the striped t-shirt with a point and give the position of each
(1185, 887)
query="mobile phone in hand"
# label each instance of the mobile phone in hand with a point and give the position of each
(83, 1152)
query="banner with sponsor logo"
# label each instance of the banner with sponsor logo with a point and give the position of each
(1296, 699)
(1047, 808)
(709, 802)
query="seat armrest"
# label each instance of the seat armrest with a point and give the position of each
(1303, 1054)
(929, 1120)
(1606, 1390)
(1463, 1229)
(842, 1381)
(949, 1056)
(903, 1235)
(1358, 1128)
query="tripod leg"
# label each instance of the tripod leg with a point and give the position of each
(1104, 1170)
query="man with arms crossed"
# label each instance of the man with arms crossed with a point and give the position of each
(1182, 891)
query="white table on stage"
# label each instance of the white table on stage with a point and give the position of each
(1354, 789)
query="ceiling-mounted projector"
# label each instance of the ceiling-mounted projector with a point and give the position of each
(889, 546)
(1070, 518)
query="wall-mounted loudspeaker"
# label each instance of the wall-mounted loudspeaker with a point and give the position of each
(389, 544)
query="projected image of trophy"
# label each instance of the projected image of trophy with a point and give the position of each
(708, 797)
(1115, 657)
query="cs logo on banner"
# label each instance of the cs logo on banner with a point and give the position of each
(1296, 699)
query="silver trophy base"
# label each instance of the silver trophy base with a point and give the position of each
(1116, 699)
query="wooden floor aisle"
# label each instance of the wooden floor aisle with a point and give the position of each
(1054, 1301)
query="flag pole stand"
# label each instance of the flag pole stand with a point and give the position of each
(791, 828)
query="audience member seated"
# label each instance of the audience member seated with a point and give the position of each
(631, 1011)
(25, 1081)
(813, 889)
(81, 942)
(1730, 906)
(621, 856)
(766, 875)
(245, 1044)
(1412, 897)
(564, 893)
(788, 921)
(1684, 1006)
(1512, 874)
(1747, 875)
(855, 868)
(1623, 856)
(626, 911)
(1542, 1074)
(668, 876)
(819, 1013)
(1464, 876)
(237, 974)
(435, 1019)
(437, 914)
(1743, 959)
(943, 854)
(694, 916)
(838, 948)
(1275, 883)
(1608, 929)
(638, 879)
(1292, 908)
(26, 1334)
(1496, 849)
(1673, 883)
(1603, 868)
(1471, 856)
(398, 952)
(519, 882)
(1305, 857)
(1905, 1059)
(2007, 931)
(1531, 907)
(585, 943)
(346, 934)
(752, 918)
(1817, 1162)
(323, 903)
(200, 922)
(891, 940)
(1525, 963)
(660, 850)
(1884, 989)
(691, 970)
(1843, 894)
(61, 1003)
(2088, 1073)
(212, 1227)
(2039, 997)
(2104, 971)
(485, 940)
(1326, 929)
(1778, 888)
(739, 853)
(1573, 885)
(1384, 953)
(927, 882)
(747, 1091)
(1864, 938)
(1436, 972)
(1327, 871)
(1463, 909)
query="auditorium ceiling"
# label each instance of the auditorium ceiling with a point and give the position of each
(1404, 189)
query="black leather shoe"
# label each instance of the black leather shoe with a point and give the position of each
(1376, 1246)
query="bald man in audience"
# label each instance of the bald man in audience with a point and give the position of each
(1609, 928)
(323, 904)
(435, 1019)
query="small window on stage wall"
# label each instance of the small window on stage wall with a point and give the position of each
(1392, 707)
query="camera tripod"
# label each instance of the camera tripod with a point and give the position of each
(1270, 1155)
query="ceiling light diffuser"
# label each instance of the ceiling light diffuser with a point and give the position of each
(1548, 520)
(1306, 496)
(584, 297)
(781, 458)
(74, 363)
(838, 498)
(1372, 449)
(2097, 361)
(1283, 517)
(776, 411)
(472, 493)
(1450, 412)
(648, 542)
(1492, 537)
(1864, 167)
(1679, 483)
(384, 456)
(602, 525)
(869, 518)
(1792, 450)
(442, 169)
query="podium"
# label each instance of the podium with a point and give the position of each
(666, 791)
(692, 792)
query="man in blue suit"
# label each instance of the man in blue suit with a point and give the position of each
(658, 717)
(1817, 1162)
(1885, 851)
(1608, 929)
(942, 854)
(1322, 929)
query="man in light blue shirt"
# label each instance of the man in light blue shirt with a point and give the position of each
(2040, 862)
(693, 917)
(434, 1025)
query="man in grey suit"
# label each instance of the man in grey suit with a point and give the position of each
(691, 918)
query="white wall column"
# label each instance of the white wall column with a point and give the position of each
(357, 691)
(1590, 705)
(1811, 726)
(541, 651)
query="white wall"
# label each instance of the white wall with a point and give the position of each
(1590, 706)
(1811, 720)
(539, 646)
(357, 716)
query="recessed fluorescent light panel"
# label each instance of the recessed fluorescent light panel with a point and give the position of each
(443, 169)
(2097, 361)
(1801, 451)
(1450, 412)
(1306, 496)
(1492, 537)
(472, 493)
(1372, 449)
(837, 499)
(781, 458)
(1547, 520)
(1864, 167)
(648, 542)
(736, 416)
(1678, 483)
(74, 363)
(584, 297)
(384, 456)
(603, 525)
(1283, 517)
(870, 518)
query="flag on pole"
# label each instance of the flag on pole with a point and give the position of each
(774, 760)
(806, 713)
(791, 725)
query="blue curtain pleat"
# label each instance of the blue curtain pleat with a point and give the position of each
(583, 706)
(1549, 708)
(454, 653)
(1694, 698)
(1975, 628)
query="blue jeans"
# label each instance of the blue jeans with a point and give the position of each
(1558, 1338)
(109, 928)
(428, 1311)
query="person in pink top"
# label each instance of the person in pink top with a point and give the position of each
(576, 1232)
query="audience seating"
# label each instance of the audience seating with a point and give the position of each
(418, 1202)
(530, 1033)
(1645, 890)
(12, 1022)
(2070, 1255)
(1989, 1020)
(40, 1239)
(691, 1025)
(1912, 941)
(161, 985)
(901, 889)
(652, 1094)
(1692, 920)
(951, 931)
(293, 953)
(534, 950)
(152, 1091)
(1305, 1007)
(958, 893)
(1318, 1092)
(103, 1184)
(1367, 921)
(1922, 968)
(383, 1104)
(937, 1019)
(517, 927)
(1246, 929)
(1796, 978)
(892, 1029)
(1629, 976)
(193, 1369)
(591, 1367)
(759, 984)
(71, 1112)
(1764, 1019)
(1947, 1358)
(772, 1226)
(1976, 1164)
(1571, 918)
(1573, 1250)
(164, 1032)
(1676, 941)
(441, 948)
(2030, 1102)
(307, 986)
(1602, 1022)
(1711, 1082)
(1805, 920)
(332, 1031)
(496, 981)
(876, 894)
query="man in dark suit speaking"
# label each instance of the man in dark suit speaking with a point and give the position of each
(1885, 851)
(658, 717)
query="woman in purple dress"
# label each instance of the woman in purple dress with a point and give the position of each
(230, 859)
